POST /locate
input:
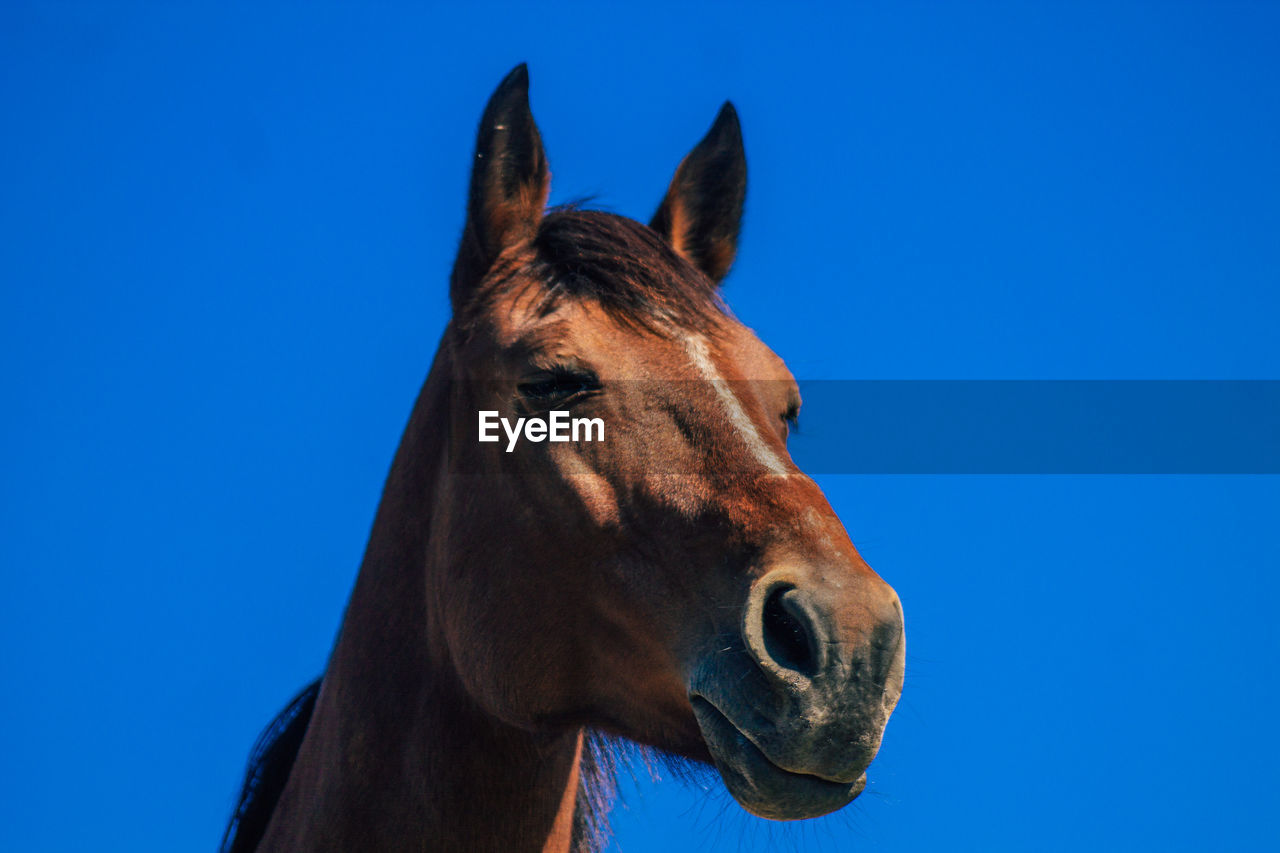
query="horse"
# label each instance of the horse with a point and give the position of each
(680, 585)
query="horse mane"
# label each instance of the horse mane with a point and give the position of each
(607, 757)
(597, 788)
(622, 265)
(270, 763)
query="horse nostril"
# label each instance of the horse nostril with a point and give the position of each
(788, 638)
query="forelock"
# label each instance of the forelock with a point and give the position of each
(616, 262)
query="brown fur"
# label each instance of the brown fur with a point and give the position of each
(660, 586)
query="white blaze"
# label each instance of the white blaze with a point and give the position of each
(696, 346)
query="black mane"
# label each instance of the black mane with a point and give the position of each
(624, 266)
(269, 765)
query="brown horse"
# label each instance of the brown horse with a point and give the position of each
(680, 584)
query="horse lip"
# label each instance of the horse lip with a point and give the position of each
(858, 779)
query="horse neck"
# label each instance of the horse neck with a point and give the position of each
(397, 756)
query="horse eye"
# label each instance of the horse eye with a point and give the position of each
(791, 417)
(558, 385)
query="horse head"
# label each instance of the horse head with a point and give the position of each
(680, 583)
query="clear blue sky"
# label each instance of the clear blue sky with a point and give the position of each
(226, 237)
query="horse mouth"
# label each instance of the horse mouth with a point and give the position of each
(758, 784)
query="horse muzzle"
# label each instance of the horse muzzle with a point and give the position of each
(794, 716)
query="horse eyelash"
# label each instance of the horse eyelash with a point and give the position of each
(792, 419)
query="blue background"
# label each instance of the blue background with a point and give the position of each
(226, 237)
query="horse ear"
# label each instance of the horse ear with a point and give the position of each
(702, 212)
(509, 183)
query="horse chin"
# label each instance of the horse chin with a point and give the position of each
(760, 786)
